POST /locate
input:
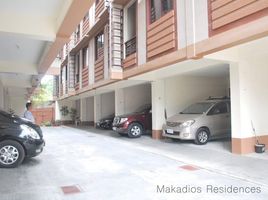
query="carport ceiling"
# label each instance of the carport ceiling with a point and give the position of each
(201, 67)
(32, 32)
(211, 71)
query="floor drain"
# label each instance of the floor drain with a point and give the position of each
(189, 167)
(72, 189)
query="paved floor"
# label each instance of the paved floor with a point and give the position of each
(103, 166)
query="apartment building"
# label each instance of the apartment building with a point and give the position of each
(169, 53)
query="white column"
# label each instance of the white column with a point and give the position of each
(97, 108)
(119, 102)
(158, 107)
(91, 61)
(83, 110)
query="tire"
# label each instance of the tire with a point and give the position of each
(202, 136)
(135, 130)
(11, 154)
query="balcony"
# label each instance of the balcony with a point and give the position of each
(85, 27)
(131, 56)
(99, 8)
(99, 66)
(225, 15)
(161, 35)
(76, 86)
(85, 81)
(130, 46)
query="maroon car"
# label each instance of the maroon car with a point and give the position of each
(134, 124)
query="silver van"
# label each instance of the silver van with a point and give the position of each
(201, 121)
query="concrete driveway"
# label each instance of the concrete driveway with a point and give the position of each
(99, 165)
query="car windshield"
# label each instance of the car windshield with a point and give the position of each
(198, 108)
(143, 108)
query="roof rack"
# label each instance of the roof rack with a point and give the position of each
(218, 98)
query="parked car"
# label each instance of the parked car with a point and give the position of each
(106, 123)
(19, 138)
(134, 124)
(201, 121)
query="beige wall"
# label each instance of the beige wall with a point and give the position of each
(58, 106)
(18, 105)
(127, 100)
(107, 104)
(176, 93)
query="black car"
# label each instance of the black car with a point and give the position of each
(19, 138)
(106, 123)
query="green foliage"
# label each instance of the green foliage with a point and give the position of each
(73, 113)
(64, 110)
(44, 94)
(47, 123)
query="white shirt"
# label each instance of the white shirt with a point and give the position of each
(28, 115)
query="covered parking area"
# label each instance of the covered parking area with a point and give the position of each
(176, 87)
(238, 72)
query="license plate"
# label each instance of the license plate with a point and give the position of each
(170, 131)
(114, 128)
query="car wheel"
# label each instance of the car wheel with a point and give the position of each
(202, 136)
(11, 154)
(135, 130)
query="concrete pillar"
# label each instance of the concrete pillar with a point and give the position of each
(97, 108)
(91, 61)
(249, 97)
(119, 102)
(83, 110)
(158, 108)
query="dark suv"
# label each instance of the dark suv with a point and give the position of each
(19, 138)
(134, 124)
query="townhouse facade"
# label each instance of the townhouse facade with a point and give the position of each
(169, 53)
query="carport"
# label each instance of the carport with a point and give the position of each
(104, 105)
(128, 99)
(180, 85)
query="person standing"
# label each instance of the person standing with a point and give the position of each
(28, 114)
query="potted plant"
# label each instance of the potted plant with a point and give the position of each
(64, 111)
(74, 116)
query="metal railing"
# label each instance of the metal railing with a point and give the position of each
(130, 46)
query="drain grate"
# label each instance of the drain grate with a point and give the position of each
(189, 167)
(72, 189)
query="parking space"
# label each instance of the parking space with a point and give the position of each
(183, 98)
(76, 167)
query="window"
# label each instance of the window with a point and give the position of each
(99, 42)
(77, 67)
(130, 44)
(159, 8)
(219, 108)
(85, 57)
(62, 76)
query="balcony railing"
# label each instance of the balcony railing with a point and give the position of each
(130, 46)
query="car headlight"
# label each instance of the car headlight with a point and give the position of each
(187, 123)
(30, 131)
(122, 120)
